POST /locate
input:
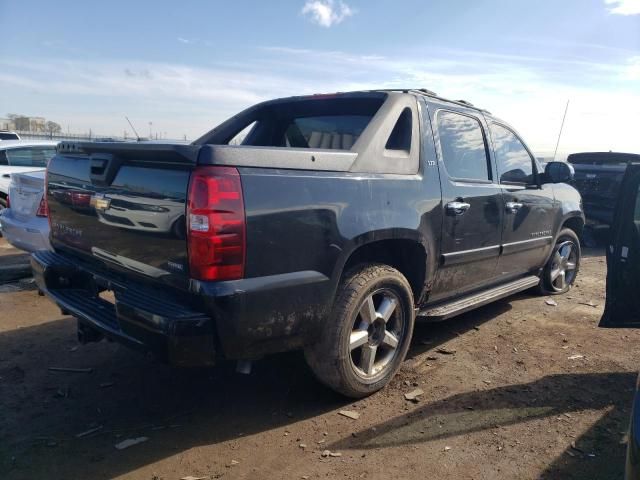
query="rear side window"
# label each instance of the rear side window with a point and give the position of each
(3, 158)
(463, 147)
(400, 138)
(515, 165)
(30, 157)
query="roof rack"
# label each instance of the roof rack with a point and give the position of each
(431, 93)
(428, 92)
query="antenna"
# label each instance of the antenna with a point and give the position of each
(561, 127)
(133, 128)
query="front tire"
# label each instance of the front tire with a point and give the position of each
(561, 270)
(366, 339)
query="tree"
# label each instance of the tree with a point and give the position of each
(53, 127)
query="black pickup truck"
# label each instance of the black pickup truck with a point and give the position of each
(328, 223)
(598, 178)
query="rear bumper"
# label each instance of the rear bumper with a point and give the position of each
(245, 318)
(139, 318)
(31, 236)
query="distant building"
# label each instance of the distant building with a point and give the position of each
(29, 124)
(7, 124)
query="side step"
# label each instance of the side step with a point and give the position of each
(464, 304)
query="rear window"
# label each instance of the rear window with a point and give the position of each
(30, 156)
(334, 124)
(602, 158)
(337, 132)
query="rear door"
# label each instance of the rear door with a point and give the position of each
(622, 307)
(472, 202)
(528, 207)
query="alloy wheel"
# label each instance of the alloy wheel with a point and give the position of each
(377, 333)
(563, 268)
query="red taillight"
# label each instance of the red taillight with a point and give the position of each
(43, 209)
(8, 202)
(216, 224)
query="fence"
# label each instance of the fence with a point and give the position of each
(26, 135)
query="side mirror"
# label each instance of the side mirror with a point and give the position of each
(558, 172)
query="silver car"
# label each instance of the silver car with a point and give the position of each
(25, 224)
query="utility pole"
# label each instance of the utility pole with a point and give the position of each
(561, 127)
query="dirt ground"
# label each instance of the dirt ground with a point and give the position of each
(533, 391)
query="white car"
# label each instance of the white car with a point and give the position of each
(7, 135)
(18, 156)
(148, 214)
(25, 224)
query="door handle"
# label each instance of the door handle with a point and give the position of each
(457, 208)
(513, 207)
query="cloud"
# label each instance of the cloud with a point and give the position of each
(527, 91)
(327, 13)
(186, 41)
(623, 7)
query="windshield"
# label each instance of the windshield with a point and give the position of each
(30, 156)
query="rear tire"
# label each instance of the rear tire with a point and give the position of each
(561, 270)
(366, 338)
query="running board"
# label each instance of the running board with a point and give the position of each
(464, 304)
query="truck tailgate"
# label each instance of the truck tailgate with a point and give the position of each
(123, 206)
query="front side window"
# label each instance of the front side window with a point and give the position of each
(515, 165)
(463, 147)
(30, 156)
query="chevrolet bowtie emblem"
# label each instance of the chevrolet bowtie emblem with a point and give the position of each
(100, 202)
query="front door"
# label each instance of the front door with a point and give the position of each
(528, 206)
(622, 308)
(472, 203)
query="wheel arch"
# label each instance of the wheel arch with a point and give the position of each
(408, 254)
(575, 223)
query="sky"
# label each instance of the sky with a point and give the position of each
(180, 68)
